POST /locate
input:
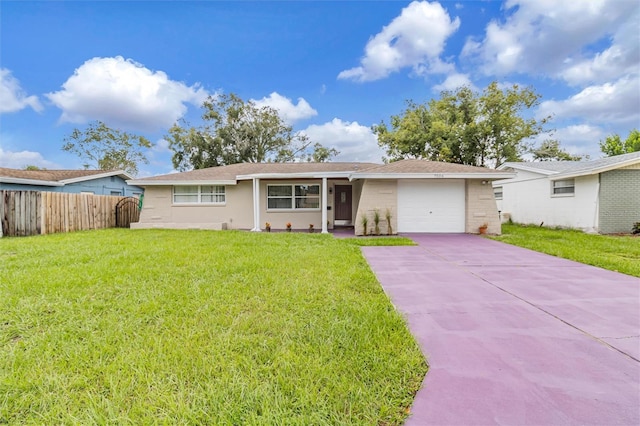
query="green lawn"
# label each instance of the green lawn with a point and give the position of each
(615, 253)
(199, 327)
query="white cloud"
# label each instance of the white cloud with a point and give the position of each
(617, 102)
(548, 36)
(454, 81)
(414, 39)
(123, 93)
(354, 141)
(19, 159)
(620, 58)
(287, 110)
(12, 95)
(162, 145)
(576, 139)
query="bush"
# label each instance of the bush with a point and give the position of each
(636, 228)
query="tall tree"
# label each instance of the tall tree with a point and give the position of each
(106, 148)
(613, 145)
(465, 127)
(235, 131)
(550, 150)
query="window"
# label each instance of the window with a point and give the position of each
(497, 192)
(293, 197)
(116, 193)
(561, 187)
(194, 194)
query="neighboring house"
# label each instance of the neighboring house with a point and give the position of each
(422, 196)
(595, 196)
(98, 182)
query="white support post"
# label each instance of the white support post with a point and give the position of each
(324, 205)
(256, 205)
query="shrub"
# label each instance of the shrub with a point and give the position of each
(365, 221)
(376, 221)
(636, 228)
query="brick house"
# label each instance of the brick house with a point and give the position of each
(595, 196)
(421, 196)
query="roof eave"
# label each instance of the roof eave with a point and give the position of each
(144, 183)
(298, 175)
(526, 169)
(22, 181)
(597, 170)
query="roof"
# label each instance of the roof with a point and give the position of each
(233, 172)
(570, 169)
(55, 177)
(421, 169)
(229, 175)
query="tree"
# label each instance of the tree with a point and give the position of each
(465, 127)
(321, 153)
(235, 131)
(550, 150)
(31, 167)
(613, 145)
(105, 148)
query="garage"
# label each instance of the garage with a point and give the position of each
(431, 205)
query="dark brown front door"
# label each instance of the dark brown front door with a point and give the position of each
(343, 202)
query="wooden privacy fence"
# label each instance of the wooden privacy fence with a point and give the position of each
(25, 213)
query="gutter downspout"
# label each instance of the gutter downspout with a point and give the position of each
(596, 215)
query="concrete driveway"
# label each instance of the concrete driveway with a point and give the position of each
(513, 336)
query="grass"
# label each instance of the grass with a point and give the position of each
(199, 327)
(616, 253)
(380, 241)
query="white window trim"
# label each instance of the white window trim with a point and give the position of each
(293, 198)
(501, 192)
(199, 202)
(565, 194)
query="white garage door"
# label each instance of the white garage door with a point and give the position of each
(430, 205)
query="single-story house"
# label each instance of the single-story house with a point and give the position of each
(97, 182)
(421, 196)
(596, 196)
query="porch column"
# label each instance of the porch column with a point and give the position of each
(256, 205)
(323, 205)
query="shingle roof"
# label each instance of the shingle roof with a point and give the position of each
(550, 166)
(424, 166)
(49, 175)
(230, 172)
(571, 168)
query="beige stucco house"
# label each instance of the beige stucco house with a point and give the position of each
(421, 196)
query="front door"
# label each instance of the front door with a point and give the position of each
(342, 203)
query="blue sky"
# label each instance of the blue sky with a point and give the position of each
(332, 69)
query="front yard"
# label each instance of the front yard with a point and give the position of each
(197, 327)
(616, 253)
